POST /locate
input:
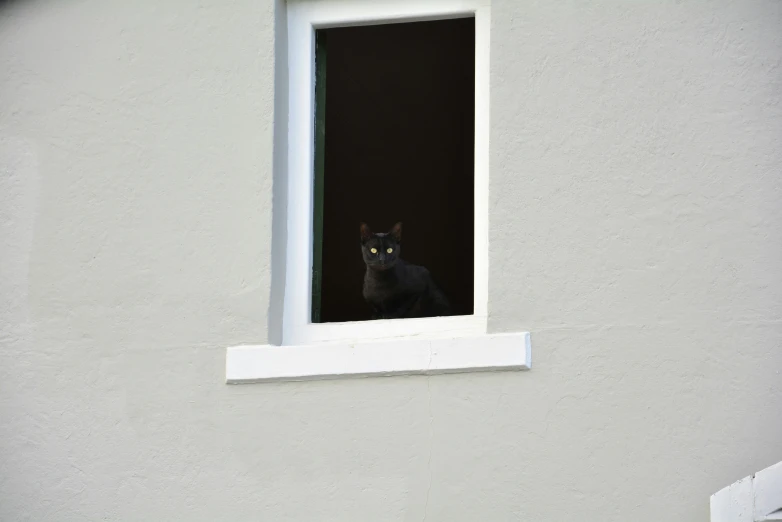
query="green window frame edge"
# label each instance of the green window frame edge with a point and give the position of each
(318, 172)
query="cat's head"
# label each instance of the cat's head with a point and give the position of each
(381, 251)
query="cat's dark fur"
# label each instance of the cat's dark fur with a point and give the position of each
(394, 288)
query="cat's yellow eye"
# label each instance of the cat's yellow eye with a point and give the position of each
(373, 250)
(390, 250)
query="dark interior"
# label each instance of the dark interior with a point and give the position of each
(399, 146)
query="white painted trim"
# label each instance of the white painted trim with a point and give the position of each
(246, 364)
(757, 498)
(303, 17)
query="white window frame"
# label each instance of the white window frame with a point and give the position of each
(428, 345)
(304, 16)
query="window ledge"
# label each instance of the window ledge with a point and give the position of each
(410, 356)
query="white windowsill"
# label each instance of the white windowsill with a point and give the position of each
(407, 356)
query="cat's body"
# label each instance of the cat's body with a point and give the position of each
(394, 288)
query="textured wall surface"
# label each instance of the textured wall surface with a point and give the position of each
(636, 217)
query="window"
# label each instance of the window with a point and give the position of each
(394, 141)
(381, 88)
(351, 46)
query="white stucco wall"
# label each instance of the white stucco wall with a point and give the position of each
(636, 215)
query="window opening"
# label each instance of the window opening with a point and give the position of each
(394, 140)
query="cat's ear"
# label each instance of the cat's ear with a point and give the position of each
(366, 233)
(396, 232)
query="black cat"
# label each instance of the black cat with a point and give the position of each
(394, 288)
